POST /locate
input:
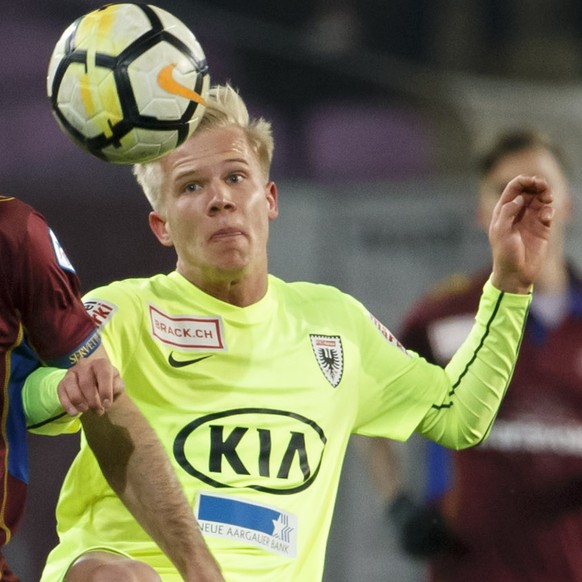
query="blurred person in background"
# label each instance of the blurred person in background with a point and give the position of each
(43, 321)
(510, 509)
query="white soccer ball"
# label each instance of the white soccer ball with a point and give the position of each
(128, 82)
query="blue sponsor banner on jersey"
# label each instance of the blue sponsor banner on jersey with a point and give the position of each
(240, 513)
(256, 524)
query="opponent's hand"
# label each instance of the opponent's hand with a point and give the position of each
(519, 233)
(421, 529)
(91, 384)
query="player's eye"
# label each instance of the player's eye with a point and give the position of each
(192, 187)
(235, 178)
(496, 188)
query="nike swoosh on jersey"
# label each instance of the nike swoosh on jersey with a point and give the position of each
(181, 363)
(167, 82)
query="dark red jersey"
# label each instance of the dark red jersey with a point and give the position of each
(42, 320)
(515, 501)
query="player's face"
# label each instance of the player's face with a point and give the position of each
(217, 204)
(532, 162)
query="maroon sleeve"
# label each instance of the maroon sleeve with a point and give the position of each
(47, 295)
(414, 335)
(458, 294)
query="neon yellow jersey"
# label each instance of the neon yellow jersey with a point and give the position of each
(255, 407)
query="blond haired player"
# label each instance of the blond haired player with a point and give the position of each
(255, 385)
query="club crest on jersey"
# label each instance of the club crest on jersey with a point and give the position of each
(329, 354)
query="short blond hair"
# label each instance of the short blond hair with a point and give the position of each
(225, 108)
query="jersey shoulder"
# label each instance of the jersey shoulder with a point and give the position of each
(129, 287)
(124, 296)
(12, 205)
(25, 231)
(321, 305)
(14, 216)
(312, 295)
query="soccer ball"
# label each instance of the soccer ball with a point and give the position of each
(128, 82)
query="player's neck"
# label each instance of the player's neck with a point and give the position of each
(242, 289)
(239, 293)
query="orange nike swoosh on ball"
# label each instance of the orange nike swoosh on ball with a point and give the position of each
(167, 82)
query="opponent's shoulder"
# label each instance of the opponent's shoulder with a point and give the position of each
(12, 208)
(450, 287)
(15, 216)
(456, 289)
(12, 204)
(456, 294)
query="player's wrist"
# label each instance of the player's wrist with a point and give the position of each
(511, 283)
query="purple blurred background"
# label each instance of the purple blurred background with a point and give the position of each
(375, 90)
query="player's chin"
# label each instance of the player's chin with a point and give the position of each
(233, 261)
(233, 247)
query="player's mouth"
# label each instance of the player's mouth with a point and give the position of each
(226, 234)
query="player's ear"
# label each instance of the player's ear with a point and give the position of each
(272, 200)
(160, 229)
(567, 207)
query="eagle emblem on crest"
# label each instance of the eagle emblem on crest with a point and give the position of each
(329, 354)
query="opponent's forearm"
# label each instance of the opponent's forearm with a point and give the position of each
(480, 372)
(137, 469)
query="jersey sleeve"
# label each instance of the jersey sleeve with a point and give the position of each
(118, 315)
(480, 371)
(396, 387)
(42, 408)
(47, 295)
(455, 405)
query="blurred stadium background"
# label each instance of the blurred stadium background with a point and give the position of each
(378, 107)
